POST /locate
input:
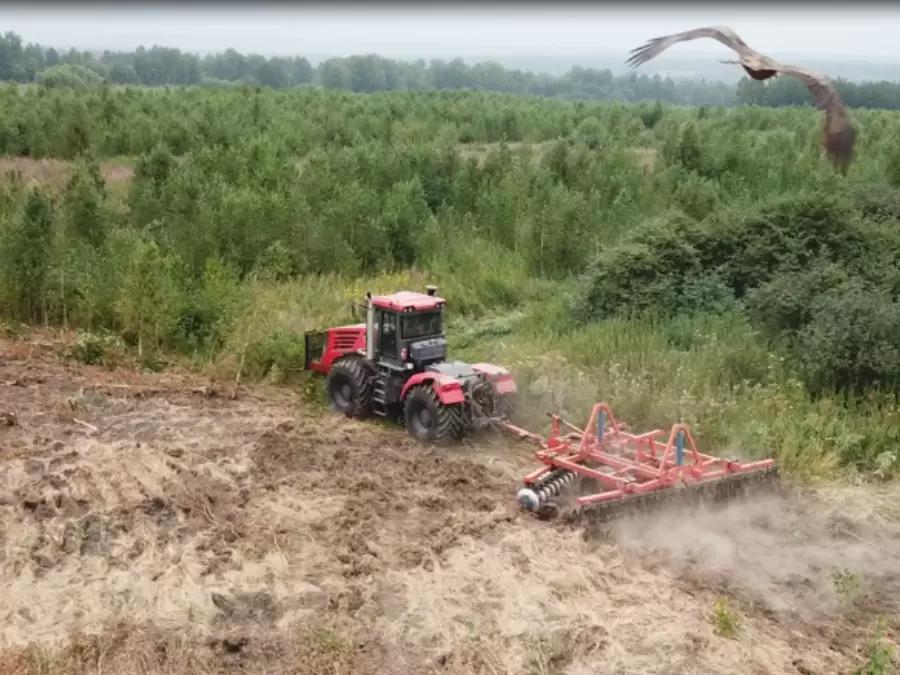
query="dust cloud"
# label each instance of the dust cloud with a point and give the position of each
(793, 552)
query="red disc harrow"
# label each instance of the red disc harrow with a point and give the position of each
(624, 466)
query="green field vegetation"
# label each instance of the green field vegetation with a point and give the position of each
(703, 264)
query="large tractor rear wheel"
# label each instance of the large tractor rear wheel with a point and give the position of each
(350, 387)
(505, 405)
(429, 420)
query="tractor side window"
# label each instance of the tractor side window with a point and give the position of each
(388, 334)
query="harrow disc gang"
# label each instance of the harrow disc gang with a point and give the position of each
(709, 492)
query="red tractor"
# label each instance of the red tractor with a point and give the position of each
(395, 365)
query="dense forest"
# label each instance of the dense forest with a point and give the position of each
(697, 263)
(158, 66)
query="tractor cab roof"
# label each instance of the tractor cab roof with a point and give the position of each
(408, 301)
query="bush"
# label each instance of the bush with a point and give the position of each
(276, 355)
(784, 305)
(726, 622)
(69, 75)
(880, 655)
(852, 341)
(656, 270)
(93, 349)
(210, 307)
(651, 115)
(734, 253)
(789, 233)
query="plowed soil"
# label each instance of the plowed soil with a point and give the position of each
(151, 523)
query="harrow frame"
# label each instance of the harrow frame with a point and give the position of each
(626, 465)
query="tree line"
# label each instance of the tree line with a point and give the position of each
(159, 66)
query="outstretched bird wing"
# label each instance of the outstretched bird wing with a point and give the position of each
(839, 135)
(658, 45)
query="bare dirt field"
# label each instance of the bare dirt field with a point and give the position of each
(151, 523)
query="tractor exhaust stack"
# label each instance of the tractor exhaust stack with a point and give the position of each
(370, 327)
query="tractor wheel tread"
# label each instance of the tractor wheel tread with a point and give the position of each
(359, 375)
(449, 425)
(505, 405)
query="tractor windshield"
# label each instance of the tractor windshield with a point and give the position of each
(420, 325)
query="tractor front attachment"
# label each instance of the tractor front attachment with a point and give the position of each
(604, 471)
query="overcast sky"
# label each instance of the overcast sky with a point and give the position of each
(443, 31)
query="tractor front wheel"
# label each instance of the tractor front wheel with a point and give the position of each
(349, 387)
(429, 420)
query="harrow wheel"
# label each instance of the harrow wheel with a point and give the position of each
(349, 386)
(427, 419)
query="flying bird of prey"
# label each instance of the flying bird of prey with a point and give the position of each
(838, 134)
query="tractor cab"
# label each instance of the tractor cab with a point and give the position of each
(405, 330)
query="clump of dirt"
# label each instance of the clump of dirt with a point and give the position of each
(148, 527)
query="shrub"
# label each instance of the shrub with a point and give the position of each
(852, 341)
(651, 115)
(881, 656)
(739, 250)
(93, 349)
(784, 304)
(725, 621)
(275, 355)
(69, 75)
(788, 233)
(847, 586)
(647, 273)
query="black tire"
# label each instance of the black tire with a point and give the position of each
(429, 420)
(505, 405)
(350, 387)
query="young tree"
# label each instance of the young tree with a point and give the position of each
(150, 176)
(405, 211)
(25, 250)
(147, 302)
(84, 203)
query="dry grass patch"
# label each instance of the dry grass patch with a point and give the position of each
(54, 173)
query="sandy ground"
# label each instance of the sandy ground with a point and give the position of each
(152, 524)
